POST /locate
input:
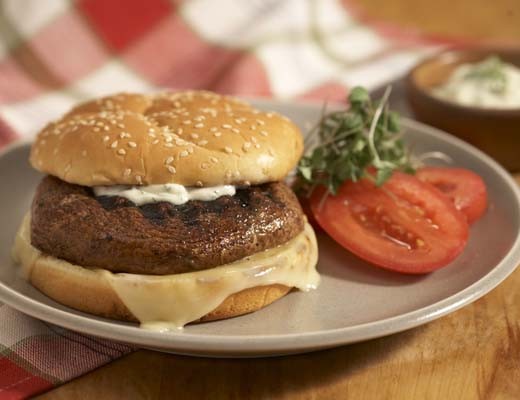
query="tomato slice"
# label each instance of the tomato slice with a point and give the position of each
(406, 225)
(466, 189)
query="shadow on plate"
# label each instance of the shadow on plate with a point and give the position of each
(340, 263)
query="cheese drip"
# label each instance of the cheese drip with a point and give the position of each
(166, 302)
(170, 301)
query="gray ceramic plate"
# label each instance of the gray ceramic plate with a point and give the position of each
(355, 301)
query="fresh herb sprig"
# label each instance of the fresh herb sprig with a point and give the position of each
(491, 72)
(345, 144)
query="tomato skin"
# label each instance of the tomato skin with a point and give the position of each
(466, 189)
(406, 226)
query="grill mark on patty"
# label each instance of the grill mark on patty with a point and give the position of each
(69, 222)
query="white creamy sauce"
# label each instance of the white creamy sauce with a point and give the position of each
(491, 83)
(169, 192)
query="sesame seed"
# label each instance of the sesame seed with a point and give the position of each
(105, 138)
(127, 172)
(213, 160)
(260, 122)
(202, 143)
(106, 128)
(217, 134)
(168, 144)
(114, 144)
(213, 129)
(155, 141)
(179, 131)
(84, 153)
(168, 160)
(253, 127)
(199, 125)
(204, 165)
(257, 146)
(238, 121)
(269, 115)
(96, 129)
(121, 125)
(194, 136)
(186, 122)
(198, 184)
(139, 179)
(171, 169)
(132, 144)
(190, 150)
(168, 139)
(183, 153)
(121, 151)
(264, 133)
(246, 146)
(226, 126)
(235, 130)
(228, 149)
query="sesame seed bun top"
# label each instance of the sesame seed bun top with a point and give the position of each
(188, 138)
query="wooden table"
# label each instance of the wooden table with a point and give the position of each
(473, 353)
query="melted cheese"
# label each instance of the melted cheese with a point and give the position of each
(171, 301)
(165, 302)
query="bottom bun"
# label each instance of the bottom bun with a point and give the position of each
(220, 292)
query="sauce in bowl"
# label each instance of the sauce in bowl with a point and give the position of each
(491, 83)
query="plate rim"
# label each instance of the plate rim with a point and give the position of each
(183, 342)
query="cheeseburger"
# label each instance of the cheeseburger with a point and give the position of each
(166, 209)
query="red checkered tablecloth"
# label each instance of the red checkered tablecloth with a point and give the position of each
(55, 53)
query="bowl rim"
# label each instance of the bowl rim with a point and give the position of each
(480, 52)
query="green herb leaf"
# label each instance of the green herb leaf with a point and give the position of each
(346, 143)
(359, 95)
(383, 175)
(489, 72)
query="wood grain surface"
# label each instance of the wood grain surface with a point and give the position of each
(473, 353)
(494, 22)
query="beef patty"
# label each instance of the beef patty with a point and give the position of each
(70, 223)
